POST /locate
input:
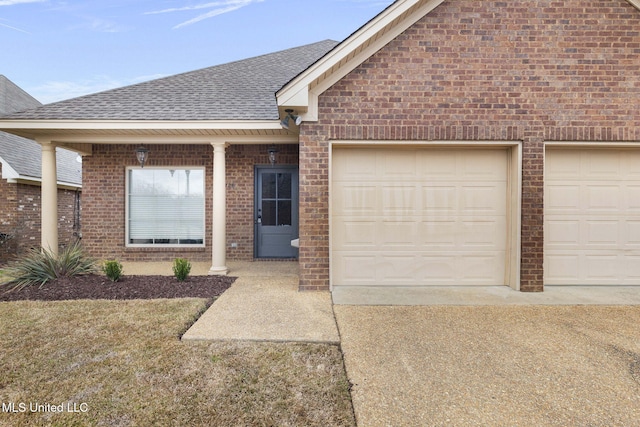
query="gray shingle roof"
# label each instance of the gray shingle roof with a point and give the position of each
(24, 155)
(241, 90)
(13, 98)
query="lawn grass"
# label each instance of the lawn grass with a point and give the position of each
(123, 363)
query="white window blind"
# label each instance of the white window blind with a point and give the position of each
(166, 207)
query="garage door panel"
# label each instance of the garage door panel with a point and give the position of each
(355, 200)
(439, 199)
(397, 165)
(565, 233)
(355, 234)
(442, 222)
(602, 165)
(483, 199)
(592, 229)
(398, 199)
(487, 234)
(602, 233)
(397, 269)
(438, 233)
(632, 233)
(603, 198)
(399, 233)
(438, 166)
(632, 198)
(479, 269)
(563, 199)
(363, 169)
(561, 268)
(601, 268)
(355, 269)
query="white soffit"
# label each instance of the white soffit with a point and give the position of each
(635, 3)
(302, 92)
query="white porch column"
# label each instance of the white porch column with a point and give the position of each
(49, 208)
(219, 238)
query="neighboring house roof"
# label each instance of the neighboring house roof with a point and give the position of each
(21, 157)
(241, 90)
(21, 160)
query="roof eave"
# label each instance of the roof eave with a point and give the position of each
(7, 125)
(78, 135)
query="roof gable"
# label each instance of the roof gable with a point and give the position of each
(301, 94)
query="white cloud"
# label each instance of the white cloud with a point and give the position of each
(12, 28)
(12, 2)
(100, 25)
(53, 91)
(219, 8)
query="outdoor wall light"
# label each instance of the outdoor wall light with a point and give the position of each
(272, 155)
(290, 116)
(142, 154)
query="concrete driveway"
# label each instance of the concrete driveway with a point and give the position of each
(493, 365)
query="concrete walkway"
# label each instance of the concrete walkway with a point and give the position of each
(264, 304)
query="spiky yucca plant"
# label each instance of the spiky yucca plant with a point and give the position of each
(39, 266)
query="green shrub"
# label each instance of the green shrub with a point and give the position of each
(113, 269)
(181, 269)
(39, 266)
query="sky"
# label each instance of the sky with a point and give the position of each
(61, 49)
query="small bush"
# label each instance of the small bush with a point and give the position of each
(113, 270)
(39, 266)
(181, 269)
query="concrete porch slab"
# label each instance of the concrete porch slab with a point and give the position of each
(264, 304)
(486, 295)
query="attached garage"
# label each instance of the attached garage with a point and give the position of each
(592, 216)
(423, 216)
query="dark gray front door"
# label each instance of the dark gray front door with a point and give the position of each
(276, 215)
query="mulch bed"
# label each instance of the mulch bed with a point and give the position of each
(93, 286)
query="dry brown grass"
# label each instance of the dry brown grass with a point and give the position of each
(125, 362)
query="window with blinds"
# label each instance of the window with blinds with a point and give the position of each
(165, 207)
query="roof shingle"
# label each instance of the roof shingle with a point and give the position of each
(240, 90)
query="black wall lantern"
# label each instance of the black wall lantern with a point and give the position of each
(142, 154)
(272, 155)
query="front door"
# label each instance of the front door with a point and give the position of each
(276, 215)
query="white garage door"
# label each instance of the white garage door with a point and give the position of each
(592, 217)
(416, 217)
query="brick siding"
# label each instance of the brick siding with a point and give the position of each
(20, 211)
(482, 70)
(104, 197)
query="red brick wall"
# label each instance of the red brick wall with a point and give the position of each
(104, 197)
(20, 210)
(241, 160)
(483, 70)
(7, 217)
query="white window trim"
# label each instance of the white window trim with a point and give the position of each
(160, 246)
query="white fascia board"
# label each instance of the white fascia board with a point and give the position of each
(8, 124)
(8, 173)
(635, 3)
(291, 94)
